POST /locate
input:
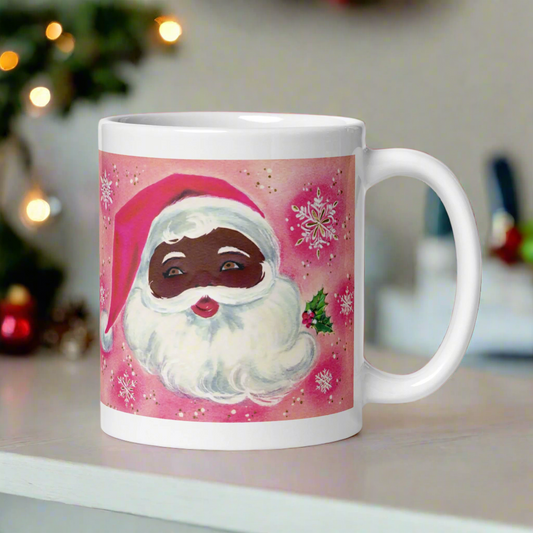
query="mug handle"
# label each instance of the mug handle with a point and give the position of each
(384, 387)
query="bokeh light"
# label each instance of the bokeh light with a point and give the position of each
(40, 96)
(38, 210)
(66, 43)
(9, 60)
(170, 31)
(53, 30)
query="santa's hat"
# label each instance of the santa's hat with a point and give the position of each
(177, 206)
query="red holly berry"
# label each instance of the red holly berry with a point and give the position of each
(307, 318)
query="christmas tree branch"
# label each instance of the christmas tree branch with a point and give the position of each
(101, 37)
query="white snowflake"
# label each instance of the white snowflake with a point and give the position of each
(346, 302)
(323, 380)
(106, 192)
(317, 222)
(126, 388)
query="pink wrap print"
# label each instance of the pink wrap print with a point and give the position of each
(306, 205)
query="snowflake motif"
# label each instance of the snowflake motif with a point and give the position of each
(106, 193)
(317, 222)
(126, 388)
(103, 295)
(323, 380)
(346, 302)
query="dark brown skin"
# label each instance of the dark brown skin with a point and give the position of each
(203, 266)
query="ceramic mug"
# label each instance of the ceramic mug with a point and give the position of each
(231, 278)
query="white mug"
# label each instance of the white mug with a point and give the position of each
(231, 282)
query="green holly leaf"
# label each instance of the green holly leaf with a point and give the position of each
(323, 327)
(317, 298)
(320, 320)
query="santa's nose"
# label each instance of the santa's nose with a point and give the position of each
(203, 279)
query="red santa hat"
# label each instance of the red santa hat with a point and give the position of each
(144, 222)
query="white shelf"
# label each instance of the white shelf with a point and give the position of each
(459, 460)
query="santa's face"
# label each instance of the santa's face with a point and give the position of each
(222, 258)
(211, 316)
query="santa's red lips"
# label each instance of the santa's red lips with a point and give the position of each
(205, 307)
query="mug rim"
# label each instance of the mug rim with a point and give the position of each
(231, 121)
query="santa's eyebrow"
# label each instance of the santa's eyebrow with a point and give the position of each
(231, 249)
(172, 255)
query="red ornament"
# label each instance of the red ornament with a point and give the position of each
(18, 326)
(510, 251)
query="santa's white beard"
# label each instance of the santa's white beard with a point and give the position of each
(253, 351)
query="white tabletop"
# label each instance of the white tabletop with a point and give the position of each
(452, 461)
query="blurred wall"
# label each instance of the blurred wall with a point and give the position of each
(452, 78)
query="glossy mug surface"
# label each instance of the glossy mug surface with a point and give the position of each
(231, 278)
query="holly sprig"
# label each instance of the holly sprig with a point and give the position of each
(315, 315)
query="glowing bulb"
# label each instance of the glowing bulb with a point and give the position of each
(66, 43)
(38, 210)
(40, 96)
(9, 60)
(53, 30)
(18, 295)
(170, 31)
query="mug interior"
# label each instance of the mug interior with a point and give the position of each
(235, 121)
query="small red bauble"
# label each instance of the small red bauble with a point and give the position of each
(18, 322)
(510, 251)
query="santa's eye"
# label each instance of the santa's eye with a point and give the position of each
(231, 265)
(172, 272)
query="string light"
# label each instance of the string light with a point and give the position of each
(40, 96)
(170, 31)
(53, 31)
(66, 43)
(9, 60)
(38, 210)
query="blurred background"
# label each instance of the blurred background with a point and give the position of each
(450, 77)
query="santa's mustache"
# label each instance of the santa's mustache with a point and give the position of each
(255, 350)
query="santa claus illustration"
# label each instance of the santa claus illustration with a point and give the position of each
(196, 269)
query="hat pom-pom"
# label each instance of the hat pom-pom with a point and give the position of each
(106, 339)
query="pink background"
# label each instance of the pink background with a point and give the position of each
(275, 186)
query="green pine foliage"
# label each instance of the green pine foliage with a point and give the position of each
(106, 34)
